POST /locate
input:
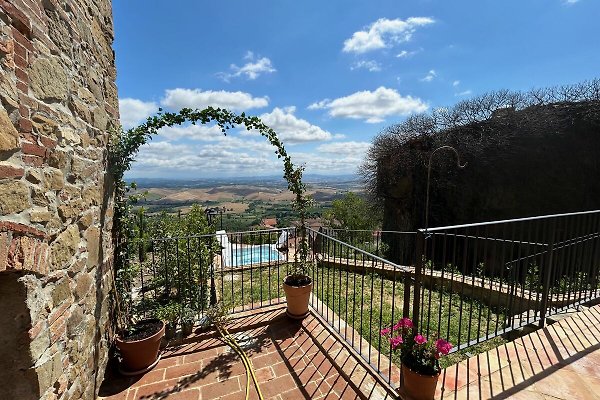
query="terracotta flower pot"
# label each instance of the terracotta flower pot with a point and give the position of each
(140, 355)
(417, 386)
(297, 299)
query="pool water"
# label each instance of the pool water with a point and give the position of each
(253, 255)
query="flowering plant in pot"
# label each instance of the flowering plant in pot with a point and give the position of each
(419, 356)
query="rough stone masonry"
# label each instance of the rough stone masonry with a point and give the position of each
(58, 101)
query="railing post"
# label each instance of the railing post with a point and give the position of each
(547, 271)
(420, 253)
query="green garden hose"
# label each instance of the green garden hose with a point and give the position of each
(227, 338)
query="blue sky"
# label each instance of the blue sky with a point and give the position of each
(330, 75)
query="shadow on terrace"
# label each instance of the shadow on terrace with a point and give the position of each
(478, 285)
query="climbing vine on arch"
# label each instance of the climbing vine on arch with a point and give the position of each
(125, 145)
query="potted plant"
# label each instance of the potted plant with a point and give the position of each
(419, 356)
(188, 317)
(170, 313)
(138, 341)
(298, 284)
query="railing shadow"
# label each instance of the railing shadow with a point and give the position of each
(515, 367)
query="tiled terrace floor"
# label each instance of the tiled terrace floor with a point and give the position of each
(292, 360)
(301, 360)
(561, 361)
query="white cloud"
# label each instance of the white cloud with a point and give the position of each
(464, 93)
(203, 133)
(384, 33)
(455, 83)
(372, 106)
(196, 98)
(292, 129)
(134, 111)
(251, 70)
(164, 158)
(344, 148)
(570, 2)
(430, 76)
(319, 104)
(371, 65)
(407, 54)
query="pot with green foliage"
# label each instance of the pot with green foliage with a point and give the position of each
(298, 285)
(170, 314)
(188, 317)
(138, 340)
(139, 346)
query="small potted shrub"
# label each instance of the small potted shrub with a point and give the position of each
(188, 318)
(171, 315)
(419, 356)
(298, 284)
(138, 341)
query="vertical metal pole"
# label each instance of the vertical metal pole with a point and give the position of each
(548, 273)
(418, 271)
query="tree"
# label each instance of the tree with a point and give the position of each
(353, 213)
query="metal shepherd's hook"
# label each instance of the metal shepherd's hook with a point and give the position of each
(429, 177)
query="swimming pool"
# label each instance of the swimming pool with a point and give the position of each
(252, 255)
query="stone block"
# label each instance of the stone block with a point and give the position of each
(8, 132)
(63, 249)
(4, 243)
(61, 291)
(44, 125)
(68, 135)
(58, 158)
(14, 197)
(54, 178)
(49, 370)
(49, 79)
(92, 195)
(40, 215)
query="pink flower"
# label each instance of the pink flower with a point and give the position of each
(396, 341)
(443, 346)
(403, 323)
(419, 339)
(385, 331)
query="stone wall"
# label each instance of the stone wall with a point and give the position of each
(58, 99)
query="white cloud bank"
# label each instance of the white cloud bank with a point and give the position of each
(291, 129)
(384, 33)
(372, 106)
(196, 98)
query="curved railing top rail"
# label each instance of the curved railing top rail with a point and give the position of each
(508, 221)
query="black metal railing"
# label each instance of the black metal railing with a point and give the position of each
(519, 271)
(243, 270)
(357, 293)
(468, 283)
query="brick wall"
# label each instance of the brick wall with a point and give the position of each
(58, 99)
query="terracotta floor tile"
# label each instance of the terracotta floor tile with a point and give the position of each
(565, 384)
(218, 389)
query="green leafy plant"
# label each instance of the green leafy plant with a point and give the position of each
(170, 313)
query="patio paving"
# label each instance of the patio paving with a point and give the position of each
(560, 361)
(303, 360)
(292, 360)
